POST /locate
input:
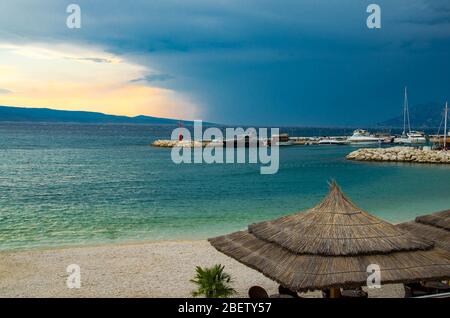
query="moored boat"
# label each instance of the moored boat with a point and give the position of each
(361, 136)
(333, 141)
(410, 136)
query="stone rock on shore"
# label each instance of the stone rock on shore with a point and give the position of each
(400, 154)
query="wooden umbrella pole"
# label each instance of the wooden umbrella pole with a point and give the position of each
(335, 292)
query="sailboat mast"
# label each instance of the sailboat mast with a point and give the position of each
(404, 114)
(407, 109)
(445, 125)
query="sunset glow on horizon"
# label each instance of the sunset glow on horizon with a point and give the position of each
(68, 77)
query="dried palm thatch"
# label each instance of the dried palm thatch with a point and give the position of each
(438, 219)
(331, 245)
(440, 236)
(435, 227)
(336, 227)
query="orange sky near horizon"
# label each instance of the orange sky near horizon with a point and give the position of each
(80, 78)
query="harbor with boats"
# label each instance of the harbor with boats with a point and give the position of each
(360, 138)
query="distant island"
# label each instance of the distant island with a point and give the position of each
(23, 114)
(422, 116)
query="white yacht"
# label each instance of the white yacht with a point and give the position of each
(361, 136)
(333, 141)
(412, 136)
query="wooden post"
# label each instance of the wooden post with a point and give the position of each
(335, 292)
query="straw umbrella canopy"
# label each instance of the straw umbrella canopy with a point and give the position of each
(434, 226)
(438, 219)
(331, 246)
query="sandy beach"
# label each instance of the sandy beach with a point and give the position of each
(151, 269)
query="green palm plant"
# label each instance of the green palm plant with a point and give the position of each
(212, 282)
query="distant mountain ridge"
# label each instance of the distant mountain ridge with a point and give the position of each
(23, 114)
(421, 116)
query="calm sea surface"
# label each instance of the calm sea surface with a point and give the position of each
(64, 184)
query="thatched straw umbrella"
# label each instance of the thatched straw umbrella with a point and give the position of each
(434, 227)
(331, 246)
(438, 219)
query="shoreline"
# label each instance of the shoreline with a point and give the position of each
(93, 245)
(145, 269)
(118, 243)
(124, 243)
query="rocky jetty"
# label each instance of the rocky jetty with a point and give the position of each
(401, 154)
(173, 143)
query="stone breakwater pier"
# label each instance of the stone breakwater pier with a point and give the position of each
(401, 154)
(173, 143)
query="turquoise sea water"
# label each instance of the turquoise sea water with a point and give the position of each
(63, 184)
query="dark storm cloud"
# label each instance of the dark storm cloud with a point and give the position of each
(265, 61)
